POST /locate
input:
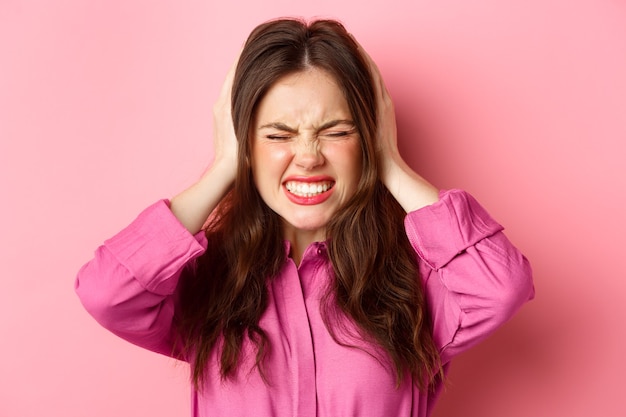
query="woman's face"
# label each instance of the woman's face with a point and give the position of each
(306, 152)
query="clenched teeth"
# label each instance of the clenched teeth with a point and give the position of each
(308, 189)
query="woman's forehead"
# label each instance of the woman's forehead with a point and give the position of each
(310, 97)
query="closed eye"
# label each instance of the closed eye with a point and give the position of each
(338, 133)
(278, 131)
(278, 137)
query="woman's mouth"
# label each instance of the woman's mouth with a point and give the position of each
(308, 189)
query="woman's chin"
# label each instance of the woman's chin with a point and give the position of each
(314, 227)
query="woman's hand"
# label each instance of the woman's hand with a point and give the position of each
(386, 134)
(410, 190)
(224, 140)
(193, 206)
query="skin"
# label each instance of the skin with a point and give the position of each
(193, 205)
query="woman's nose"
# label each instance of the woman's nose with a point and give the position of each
(308, 154)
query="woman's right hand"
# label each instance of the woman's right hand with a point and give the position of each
(224, 140)
(193, 206)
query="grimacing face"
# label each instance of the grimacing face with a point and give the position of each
(306, 151)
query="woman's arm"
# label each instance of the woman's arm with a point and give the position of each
(193, 206)
(408, 188)
(128, 286)
(474, 278)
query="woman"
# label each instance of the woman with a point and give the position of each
(309, 291)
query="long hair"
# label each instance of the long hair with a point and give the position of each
(223, 295)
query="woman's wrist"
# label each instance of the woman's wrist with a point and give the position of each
(193, 206)
(410, 189)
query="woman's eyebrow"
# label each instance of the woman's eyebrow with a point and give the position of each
(279, 126)
(327, 125)
(334, 123)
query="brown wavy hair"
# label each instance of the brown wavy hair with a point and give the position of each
(223, 295)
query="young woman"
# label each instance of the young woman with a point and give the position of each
(330, 279)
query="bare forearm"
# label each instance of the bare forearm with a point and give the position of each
(193, 206)
(410, 189)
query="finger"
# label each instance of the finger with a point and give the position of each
(233, 67)
(225, 92)
(370, 62)
(377, 78)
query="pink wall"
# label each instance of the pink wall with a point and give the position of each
(105, 107)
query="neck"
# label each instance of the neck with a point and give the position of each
(300, 240)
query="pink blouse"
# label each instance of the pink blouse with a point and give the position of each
(475, 280)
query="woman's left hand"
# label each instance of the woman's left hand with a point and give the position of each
(410, 189)
(387, 136)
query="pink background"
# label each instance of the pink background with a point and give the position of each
(105, 107)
